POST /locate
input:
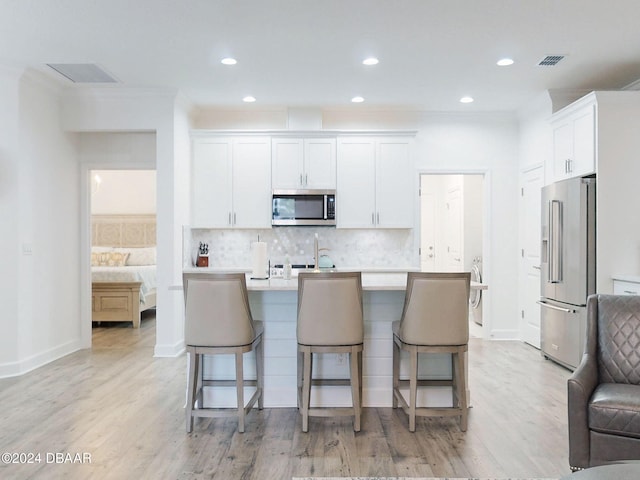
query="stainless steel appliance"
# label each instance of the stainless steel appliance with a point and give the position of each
(304, 207)
(568, 267)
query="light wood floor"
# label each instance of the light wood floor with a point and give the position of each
(124, 408)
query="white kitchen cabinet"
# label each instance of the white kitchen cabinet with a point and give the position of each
(231, 182)
(374, 184)
(574, 140)
(303, 163)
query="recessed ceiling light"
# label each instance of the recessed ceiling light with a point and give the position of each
(228, 61)
(504, 62)
(466, 100)
(249, 99)
(357, 99)
(370, 61)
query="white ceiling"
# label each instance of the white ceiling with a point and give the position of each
(294, 53)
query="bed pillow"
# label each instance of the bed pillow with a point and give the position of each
(109, 259)
(140, 256)
(96, 258)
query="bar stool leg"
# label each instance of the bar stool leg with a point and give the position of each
(360, 362)
(396, 373)
(355, 387)
(462, 390)
(306, 388)
(260, 373)
(413, 388)
(191, 387)
(240, 391)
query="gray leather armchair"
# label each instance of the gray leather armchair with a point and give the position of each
(604, 391)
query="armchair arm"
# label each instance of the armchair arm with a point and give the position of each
(580, 387)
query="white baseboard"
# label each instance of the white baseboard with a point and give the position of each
(20, 367)
(171, 351)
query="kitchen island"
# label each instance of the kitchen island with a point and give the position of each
(275, 302)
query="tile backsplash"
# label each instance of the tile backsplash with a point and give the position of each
(348, 248)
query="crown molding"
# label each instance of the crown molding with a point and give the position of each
(115, 91)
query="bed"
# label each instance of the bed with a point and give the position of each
(123, 267)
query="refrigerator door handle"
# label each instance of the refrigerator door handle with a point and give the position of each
(555, 241)
(553, 307)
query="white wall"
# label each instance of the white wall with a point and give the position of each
(43, 230)
(617, 192)
(153, 110)
(474, 144)
(9, 218)
(123, 192)
(449, 143)
(535, 147)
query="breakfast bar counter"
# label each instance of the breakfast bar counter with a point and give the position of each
(274, 301)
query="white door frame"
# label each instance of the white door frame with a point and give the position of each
(486, 232)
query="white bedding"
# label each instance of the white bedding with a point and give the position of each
(129, 273)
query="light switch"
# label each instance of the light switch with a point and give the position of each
(27, 249)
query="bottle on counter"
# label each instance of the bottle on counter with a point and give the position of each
(287, 269)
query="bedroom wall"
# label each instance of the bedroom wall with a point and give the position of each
(43, 320)
(124, 192)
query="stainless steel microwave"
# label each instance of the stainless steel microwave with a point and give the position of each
(303, 207)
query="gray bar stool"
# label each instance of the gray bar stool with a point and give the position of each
(218, 321)
(435, 319)
(330, 320)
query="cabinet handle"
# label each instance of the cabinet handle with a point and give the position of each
(630, 292)
(306, 180)
(373, 219)
(301, 184)
(234, 218)
(378, 218)
(229, 222)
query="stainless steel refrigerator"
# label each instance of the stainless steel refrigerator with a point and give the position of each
(568, 267)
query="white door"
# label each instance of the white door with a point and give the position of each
(453, 227)
(428, 222)
(532, 183)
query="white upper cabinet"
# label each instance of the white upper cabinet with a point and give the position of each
(231, 182)
(355, 195)
(252, 182)
(375, 186)
(211, 182)
(303, 163)
(574, 139)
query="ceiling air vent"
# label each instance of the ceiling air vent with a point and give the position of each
(83, 72)
(550, 60)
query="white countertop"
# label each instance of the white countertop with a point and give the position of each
(627, 278)
(371, 281)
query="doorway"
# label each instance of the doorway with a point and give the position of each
(123, 250)
(452, 212)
